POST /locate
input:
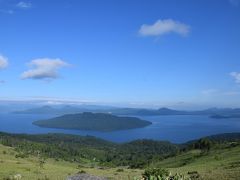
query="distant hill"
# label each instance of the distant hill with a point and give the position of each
(225, 137)
(93, 121)
(98, 109)
(67, 109)
(217, 138)
(52, 110)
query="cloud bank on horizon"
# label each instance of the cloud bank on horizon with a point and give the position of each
(44, 68)
(164, 26)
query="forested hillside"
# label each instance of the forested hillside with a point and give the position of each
(206, 158)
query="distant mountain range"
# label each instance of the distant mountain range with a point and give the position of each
(93, 121)
(212, 112)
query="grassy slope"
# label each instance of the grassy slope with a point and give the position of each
(30, 169)
(218, 164)
(221, 163)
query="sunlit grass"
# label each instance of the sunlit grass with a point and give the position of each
(218, 163)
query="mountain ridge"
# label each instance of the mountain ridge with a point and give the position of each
(129, 111)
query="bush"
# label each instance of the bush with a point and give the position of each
(21, 155)
(81, 172)
(120, 170)
(155, 173)
(194, 175)
(161, 174)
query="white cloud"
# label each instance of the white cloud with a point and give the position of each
(3, 62)
(24, 5)
(236, 76)
(234, 2)
(44, 68)
(165, 26)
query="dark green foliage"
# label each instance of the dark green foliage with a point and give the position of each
(136, 154)
(206, 143)
(120, 170)
(156, 173)
(93, 121)
(58, 146)
(203, 144)
(162, 174)
(21, 155)
(139, 153)
(81, 172)
(226, 137)
(41, 162)
(194, 175)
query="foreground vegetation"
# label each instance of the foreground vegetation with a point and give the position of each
(136, 154)
(34, 168)
(55, 156)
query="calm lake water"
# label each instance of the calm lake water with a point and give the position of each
(176, 129)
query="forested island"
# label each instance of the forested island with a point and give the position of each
(93, 121)
(217, 116)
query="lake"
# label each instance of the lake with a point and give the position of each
(177, 128)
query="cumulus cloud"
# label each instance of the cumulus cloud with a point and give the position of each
(165, 26)
(24, 5)
(236, 76)
(3, 62)
(44, 68)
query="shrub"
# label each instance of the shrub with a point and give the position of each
(193, 175)
(120, 170)
(21, 155)
(161, 174)
(81, 172)
(155, 173)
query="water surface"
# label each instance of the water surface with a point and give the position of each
(177, 128)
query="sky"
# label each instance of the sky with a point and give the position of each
(148, 53)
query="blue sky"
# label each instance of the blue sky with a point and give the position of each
(136, 53)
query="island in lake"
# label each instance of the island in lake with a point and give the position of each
(93, 121)
(217, 116)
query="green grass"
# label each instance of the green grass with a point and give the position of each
(221, 163)
(30, 169)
